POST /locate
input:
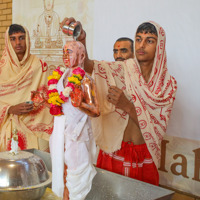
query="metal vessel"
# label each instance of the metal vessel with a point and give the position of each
(23, 176)
(72, 30)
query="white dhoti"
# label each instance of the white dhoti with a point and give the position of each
(72, 132)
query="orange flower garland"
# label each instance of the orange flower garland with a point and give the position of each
(55, 99)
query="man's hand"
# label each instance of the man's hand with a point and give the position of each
(117, 97)
(68, 21)
(20, 109)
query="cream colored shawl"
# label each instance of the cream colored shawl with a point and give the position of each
(17, 80)
(153, 100)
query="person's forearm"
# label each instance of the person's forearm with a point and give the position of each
(88, 64)
(130, 109)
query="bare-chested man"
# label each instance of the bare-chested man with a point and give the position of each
(136, 98)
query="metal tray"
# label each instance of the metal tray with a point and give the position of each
(110, 186)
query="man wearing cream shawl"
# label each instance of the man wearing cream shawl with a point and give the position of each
(136, 98)
(20, 74)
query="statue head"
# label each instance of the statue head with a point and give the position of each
(73, 54)
(48, 5)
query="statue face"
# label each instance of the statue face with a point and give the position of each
(70, 57)
(73, 54)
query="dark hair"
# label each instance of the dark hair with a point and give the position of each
(126, 39)
(16, 28)
(147, 28)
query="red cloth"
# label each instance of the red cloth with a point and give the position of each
(131, 160)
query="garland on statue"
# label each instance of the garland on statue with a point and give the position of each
(55, 99)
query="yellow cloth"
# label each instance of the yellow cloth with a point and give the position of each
(17, 80)
(153, 100)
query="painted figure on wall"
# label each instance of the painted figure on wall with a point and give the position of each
(48, 22)
(48, 33)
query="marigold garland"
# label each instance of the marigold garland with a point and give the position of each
(55, 99)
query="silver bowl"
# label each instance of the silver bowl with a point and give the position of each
(23, 176)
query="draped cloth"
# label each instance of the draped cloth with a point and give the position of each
(131, 160)
(72, 143)
(153, 101)
(17, 80)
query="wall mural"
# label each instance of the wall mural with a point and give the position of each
(47, 38)
(42, 18)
